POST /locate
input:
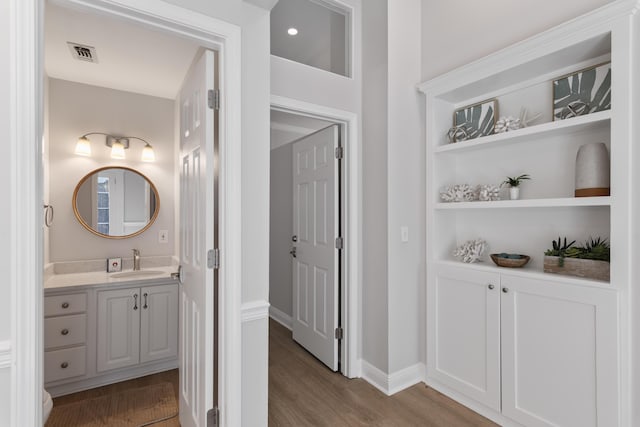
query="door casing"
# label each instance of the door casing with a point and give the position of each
(27, 55)
(351, 218)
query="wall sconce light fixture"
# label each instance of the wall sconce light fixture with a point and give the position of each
(118, 146)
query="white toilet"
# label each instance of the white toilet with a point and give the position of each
(47, 405)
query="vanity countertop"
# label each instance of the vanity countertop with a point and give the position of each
(101, 278)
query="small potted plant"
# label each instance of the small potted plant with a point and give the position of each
(590, 260)
(514, 185)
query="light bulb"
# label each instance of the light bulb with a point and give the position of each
(83, 146)
(117, 150)
(292, 31)
(147, 154)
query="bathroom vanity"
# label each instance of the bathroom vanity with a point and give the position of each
(102, 328)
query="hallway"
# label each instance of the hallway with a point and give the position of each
(303, 392)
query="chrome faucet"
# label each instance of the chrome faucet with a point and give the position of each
(136, 260)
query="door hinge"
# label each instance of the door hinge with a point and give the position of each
(339, 243)
(213, 417)
(213, 99)
(339, 152)
(339, 333)
(213, 258)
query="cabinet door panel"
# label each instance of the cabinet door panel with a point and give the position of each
(159, 323)
(464, 335)
(559, 354)
(118, 328)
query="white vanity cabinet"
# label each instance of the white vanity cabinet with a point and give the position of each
(136, 325)
(98, 334)
(537, 350)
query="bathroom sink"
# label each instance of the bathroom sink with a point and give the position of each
(137, 273)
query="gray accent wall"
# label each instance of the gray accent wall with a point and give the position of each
(280, 229)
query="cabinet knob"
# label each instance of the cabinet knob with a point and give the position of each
(505, 290)
(65, 305)
(491, 287)
(64, 365)
(64, 332)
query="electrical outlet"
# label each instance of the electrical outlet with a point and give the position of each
(114, 265)
(404, 234)
(163, 236)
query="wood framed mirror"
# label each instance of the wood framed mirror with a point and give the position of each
(116, 202)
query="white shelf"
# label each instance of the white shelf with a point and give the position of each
(528, 272)
(538, 132)
(528, 203)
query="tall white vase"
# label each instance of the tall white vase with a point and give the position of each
(592, 170)
(514, 193)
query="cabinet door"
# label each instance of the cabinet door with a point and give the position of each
(464, 333)
(559, 353)
(118, 328)
(159, 323)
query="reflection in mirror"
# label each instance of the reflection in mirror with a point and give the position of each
(116, 202)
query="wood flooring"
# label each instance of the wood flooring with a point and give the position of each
(303, 392)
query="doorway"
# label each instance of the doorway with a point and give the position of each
(209, 33)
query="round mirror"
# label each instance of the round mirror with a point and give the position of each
(116, 202)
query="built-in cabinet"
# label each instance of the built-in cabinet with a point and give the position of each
(96, 335)
(519, 345)
(535, 350)
(137, 325)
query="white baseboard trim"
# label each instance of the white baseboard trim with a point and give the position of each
(255, 310)
(5, 354)
(406, 378)
(393, 383)
(281, 317)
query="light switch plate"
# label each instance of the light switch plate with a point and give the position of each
(163, 236)
(404, 234)
(114, 265)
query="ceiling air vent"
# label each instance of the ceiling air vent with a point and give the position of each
(83, 52)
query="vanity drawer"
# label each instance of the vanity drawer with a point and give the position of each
(66, 363)
(65, 331)
(56, 305)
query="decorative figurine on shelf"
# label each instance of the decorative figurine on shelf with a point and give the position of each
(510, 123)
(592, 171)
(514, 185)
(487, 192)
(458, 193)
(458, 133)
(471, 251)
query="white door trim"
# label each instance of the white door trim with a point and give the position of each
(26, 56)
(352, 277)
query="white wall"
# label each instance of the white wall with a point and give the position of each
(280, 230)
(406, 198)
(375, 323)
(5, 176)
(76, 109)
(456, 32)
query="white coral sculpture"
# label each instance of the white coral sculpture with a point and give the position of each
(486, 192)
(458, 193)
(471, 251)
(510, 123)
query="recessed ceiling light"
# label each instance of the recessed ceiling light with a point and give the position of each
(292, 31)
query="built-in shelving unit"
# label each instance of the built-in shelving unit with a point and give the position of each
(505, 341)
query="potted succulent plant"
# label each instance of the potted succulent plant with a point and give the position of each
(590, 260)
(514, 185)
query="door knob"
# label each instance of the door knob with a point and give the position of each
(491, 287)
(64, 332)
(505, 290)
(65, 305)
(64, 365)
(294, 238)
(293, 252)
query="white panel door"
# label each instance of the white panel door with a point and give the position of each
(315, 221)
(118, 328)
(158, 322)
(559, 357)
(196, 237)
(464, 333)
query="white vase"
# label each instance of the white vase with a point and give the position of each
(592, 170)
(514, 193)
